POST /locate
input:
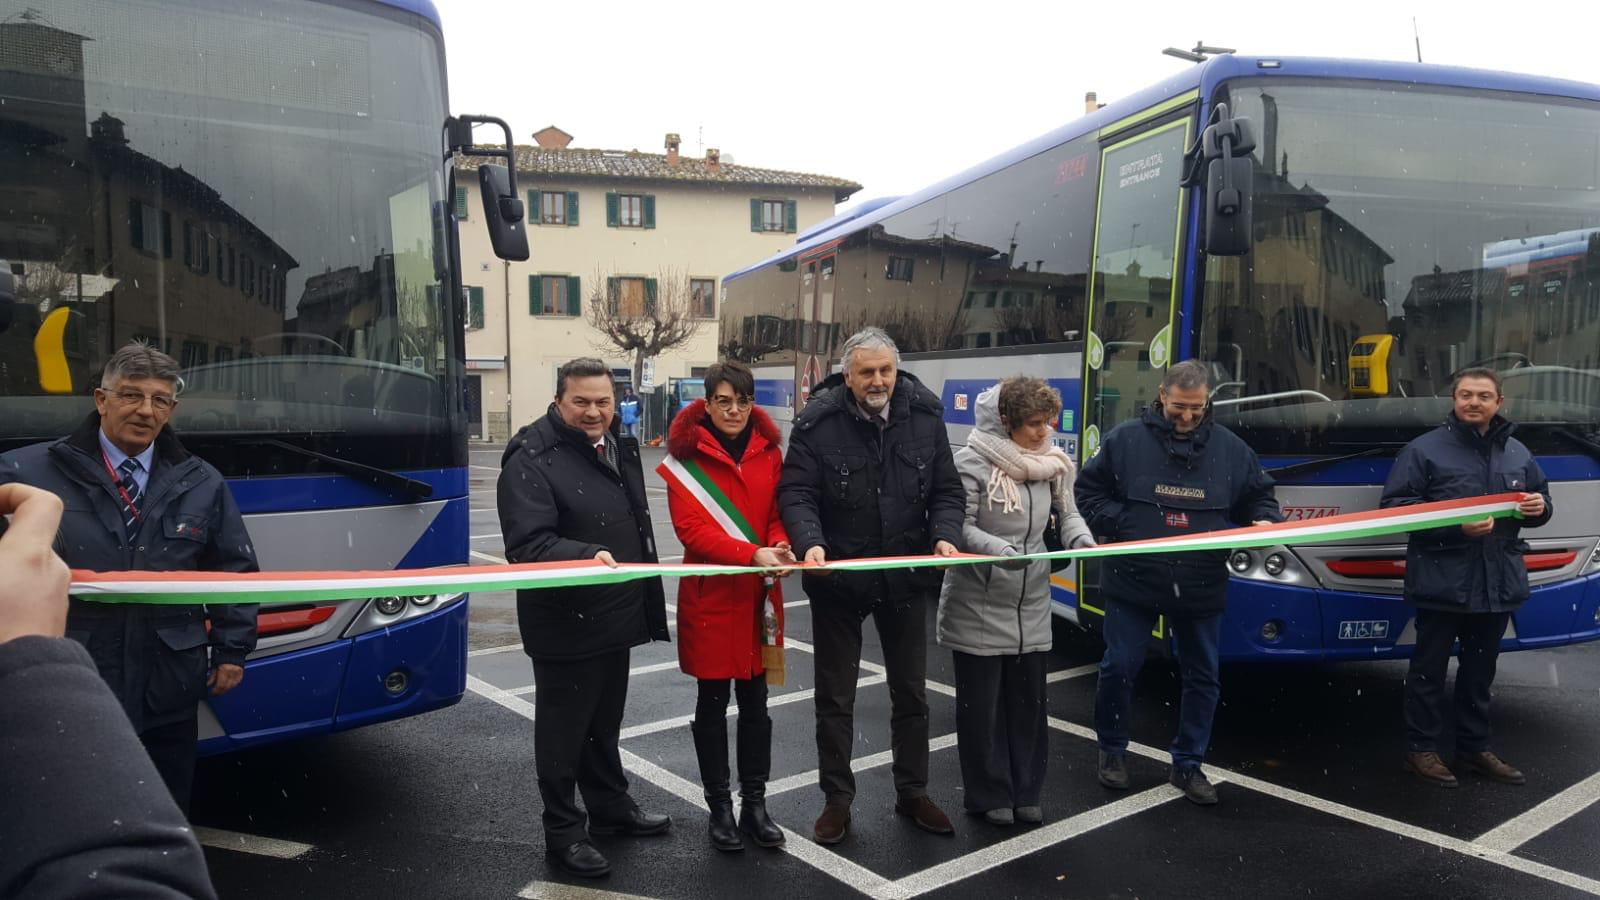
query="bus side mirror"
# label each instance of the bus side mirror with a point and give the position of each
(502, 211)
(1221, 162)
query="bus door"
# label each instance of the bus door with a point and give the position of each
(814, 325)
(1134, 281)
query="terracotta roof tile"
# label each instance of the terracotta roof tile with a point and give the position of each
(634, 165)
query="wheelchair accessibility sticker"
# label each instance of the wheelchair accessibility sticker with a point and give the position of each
(1364, 630)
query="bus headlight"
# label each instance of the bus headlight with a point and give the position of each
(387, 612)
(1275, 563)
(390, 606)
(1272, 631)
(1240, 561)
(423, 600)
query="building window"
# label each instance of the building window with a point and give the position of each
(461, 204)
(773, 215)
(552, 208)
(703, 298)
(150, 229)
(555, 295)
(196, 249)
(630, 210)
(899, 268)
(474, 307)
(632, 298)
(247, 276)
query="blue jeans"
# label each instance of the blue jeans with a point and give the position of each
(1127, 634)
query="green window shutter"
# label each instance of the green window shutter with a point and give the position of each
(649, 296)
(755, 215)
(649, 210)
(166, 234)
(611, 210)
(534, 214)
(474, 307)
(136, 224)
(574, 291)
(791, 217)
(612, 300)
(535, 295)
(572, 207)
(461, 204)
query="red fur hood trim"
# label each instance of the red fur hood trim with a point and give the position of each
(684, 436)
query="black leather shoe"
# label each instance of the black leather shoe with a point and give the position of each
(758, 826)
(580, 859)
(1113, 771)
(636, 823)
(1194, 785)
(723, 831)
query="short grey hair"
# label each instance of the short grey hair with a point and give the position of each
(868, 338)
(1186, 376)
(138, 361)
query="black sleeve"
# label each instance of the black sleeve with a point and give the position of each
(233, 625)
(1096, 492)
(1257, 501)
(1407, 485)
(529, 516)
(1538, 484)
(80, 793)
(799, 496)
(947, 495)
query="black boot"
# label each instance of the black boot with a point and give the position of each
(711, 748)
(755, 764)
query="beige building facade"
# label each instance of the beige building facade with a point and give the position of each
(620, 224)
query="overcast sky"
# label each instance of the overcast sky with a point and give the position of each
(897, 95)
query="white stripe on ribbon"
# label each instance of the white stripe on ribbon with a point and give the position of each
(682, 477)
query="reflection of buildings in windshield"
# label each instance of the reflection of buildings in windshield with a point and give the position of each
(1282, 321)
(351, 312)
(131, 247)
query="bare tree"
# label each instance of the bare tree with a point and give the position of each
(643, 317)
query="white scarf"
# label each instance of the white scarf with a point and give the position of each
(1013, 463)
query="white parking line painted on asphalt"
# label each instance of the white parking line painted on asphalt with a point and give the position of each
(980, 861)
(780, 700)
(488, 557)
(485, 537)
(554, 890)
(1547, 815)
(1076, 672)
(485, 468)
(485, 651)
(251, 843)
(862, 764)
(825, 861)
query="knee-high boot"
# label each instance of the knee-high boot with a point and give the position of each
(755, 766)
(711, 749)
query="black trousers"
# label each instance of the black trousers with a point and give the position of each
(1480, 635)
(711, 699)
(577, 715)
(172, 747)
(836, 628)
(1001, 733)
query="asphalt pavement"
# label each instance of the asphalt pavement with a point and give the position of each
(1306, 758)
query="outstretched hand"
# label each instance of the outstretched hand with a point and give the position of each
(33, 599)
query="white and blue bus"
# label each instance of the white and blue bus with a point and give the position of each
(1389, 225)
(265, 190)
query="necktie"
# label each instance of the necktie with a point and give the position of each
(130, 488)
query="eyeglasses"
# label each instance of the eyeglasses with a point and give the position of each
(135, 399)
(728, 403)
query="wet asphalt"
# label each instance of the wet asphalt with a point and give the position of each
(1307, 759)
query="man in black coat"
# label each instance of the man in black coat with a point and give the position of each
(572, 487)
(86, 814)
(1170, 472)
(1465, 580)
(137, 500)
(870, 473)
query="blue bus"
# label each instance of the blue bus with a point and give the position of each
(265, 190)
(1334, 238)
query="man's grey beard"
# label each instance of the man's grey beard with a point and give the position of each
(876, 402)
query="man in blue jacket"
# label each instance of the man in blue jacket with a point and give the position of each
(1171, 472)
(1465, 580)
(137, 500)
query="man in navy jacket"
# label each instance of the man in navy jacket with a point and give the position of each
(1465, 580)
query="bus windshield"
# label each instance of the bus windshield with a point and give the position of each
(261, 197)
(1402, 234)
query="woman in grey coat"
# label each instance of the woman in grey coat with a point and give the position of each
(996, 618)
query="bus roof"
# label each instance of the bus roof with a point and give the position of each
(423, 8)
(1205, 77)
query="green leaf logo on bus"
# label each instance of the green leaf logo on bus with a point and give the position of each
(1161, 348)
(1091, 441)
(1097, 351)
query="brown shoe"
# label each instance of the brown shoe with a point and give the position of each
(1429, 767)
(833, 824)
(928, 816)
(1491, 767)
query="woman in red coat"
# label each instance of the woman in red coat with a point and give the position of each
(722, 487)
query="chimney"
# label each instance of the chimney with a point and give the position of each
(109, 129)
(672, 148)
(1089, 104)
(551, 138)
(714, 160)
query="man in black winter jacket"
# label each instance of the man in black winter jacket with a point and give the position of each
(870, 473)
(86, 814)
(137, 500)
(1465, 580)
(1171, 472)
(572, 487)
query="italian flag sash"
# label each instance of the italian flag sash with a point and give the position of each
(693, 480)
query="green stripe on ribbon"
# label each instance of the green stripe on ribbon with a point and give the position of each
(723, 501)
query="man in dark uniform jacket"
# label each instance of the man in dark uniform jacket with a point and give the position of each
(1465, 580)
(1170, 472)
(137, 500)
(572, 487)
(870, 473)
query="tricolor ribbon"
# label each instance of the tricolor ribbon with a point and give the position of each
(321, 587)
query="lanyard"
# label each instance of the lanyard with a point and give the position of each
(126, 500)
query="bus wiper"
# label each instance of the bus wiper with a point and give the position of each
(1312, 465)
(1580, 440)
(379, 478)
